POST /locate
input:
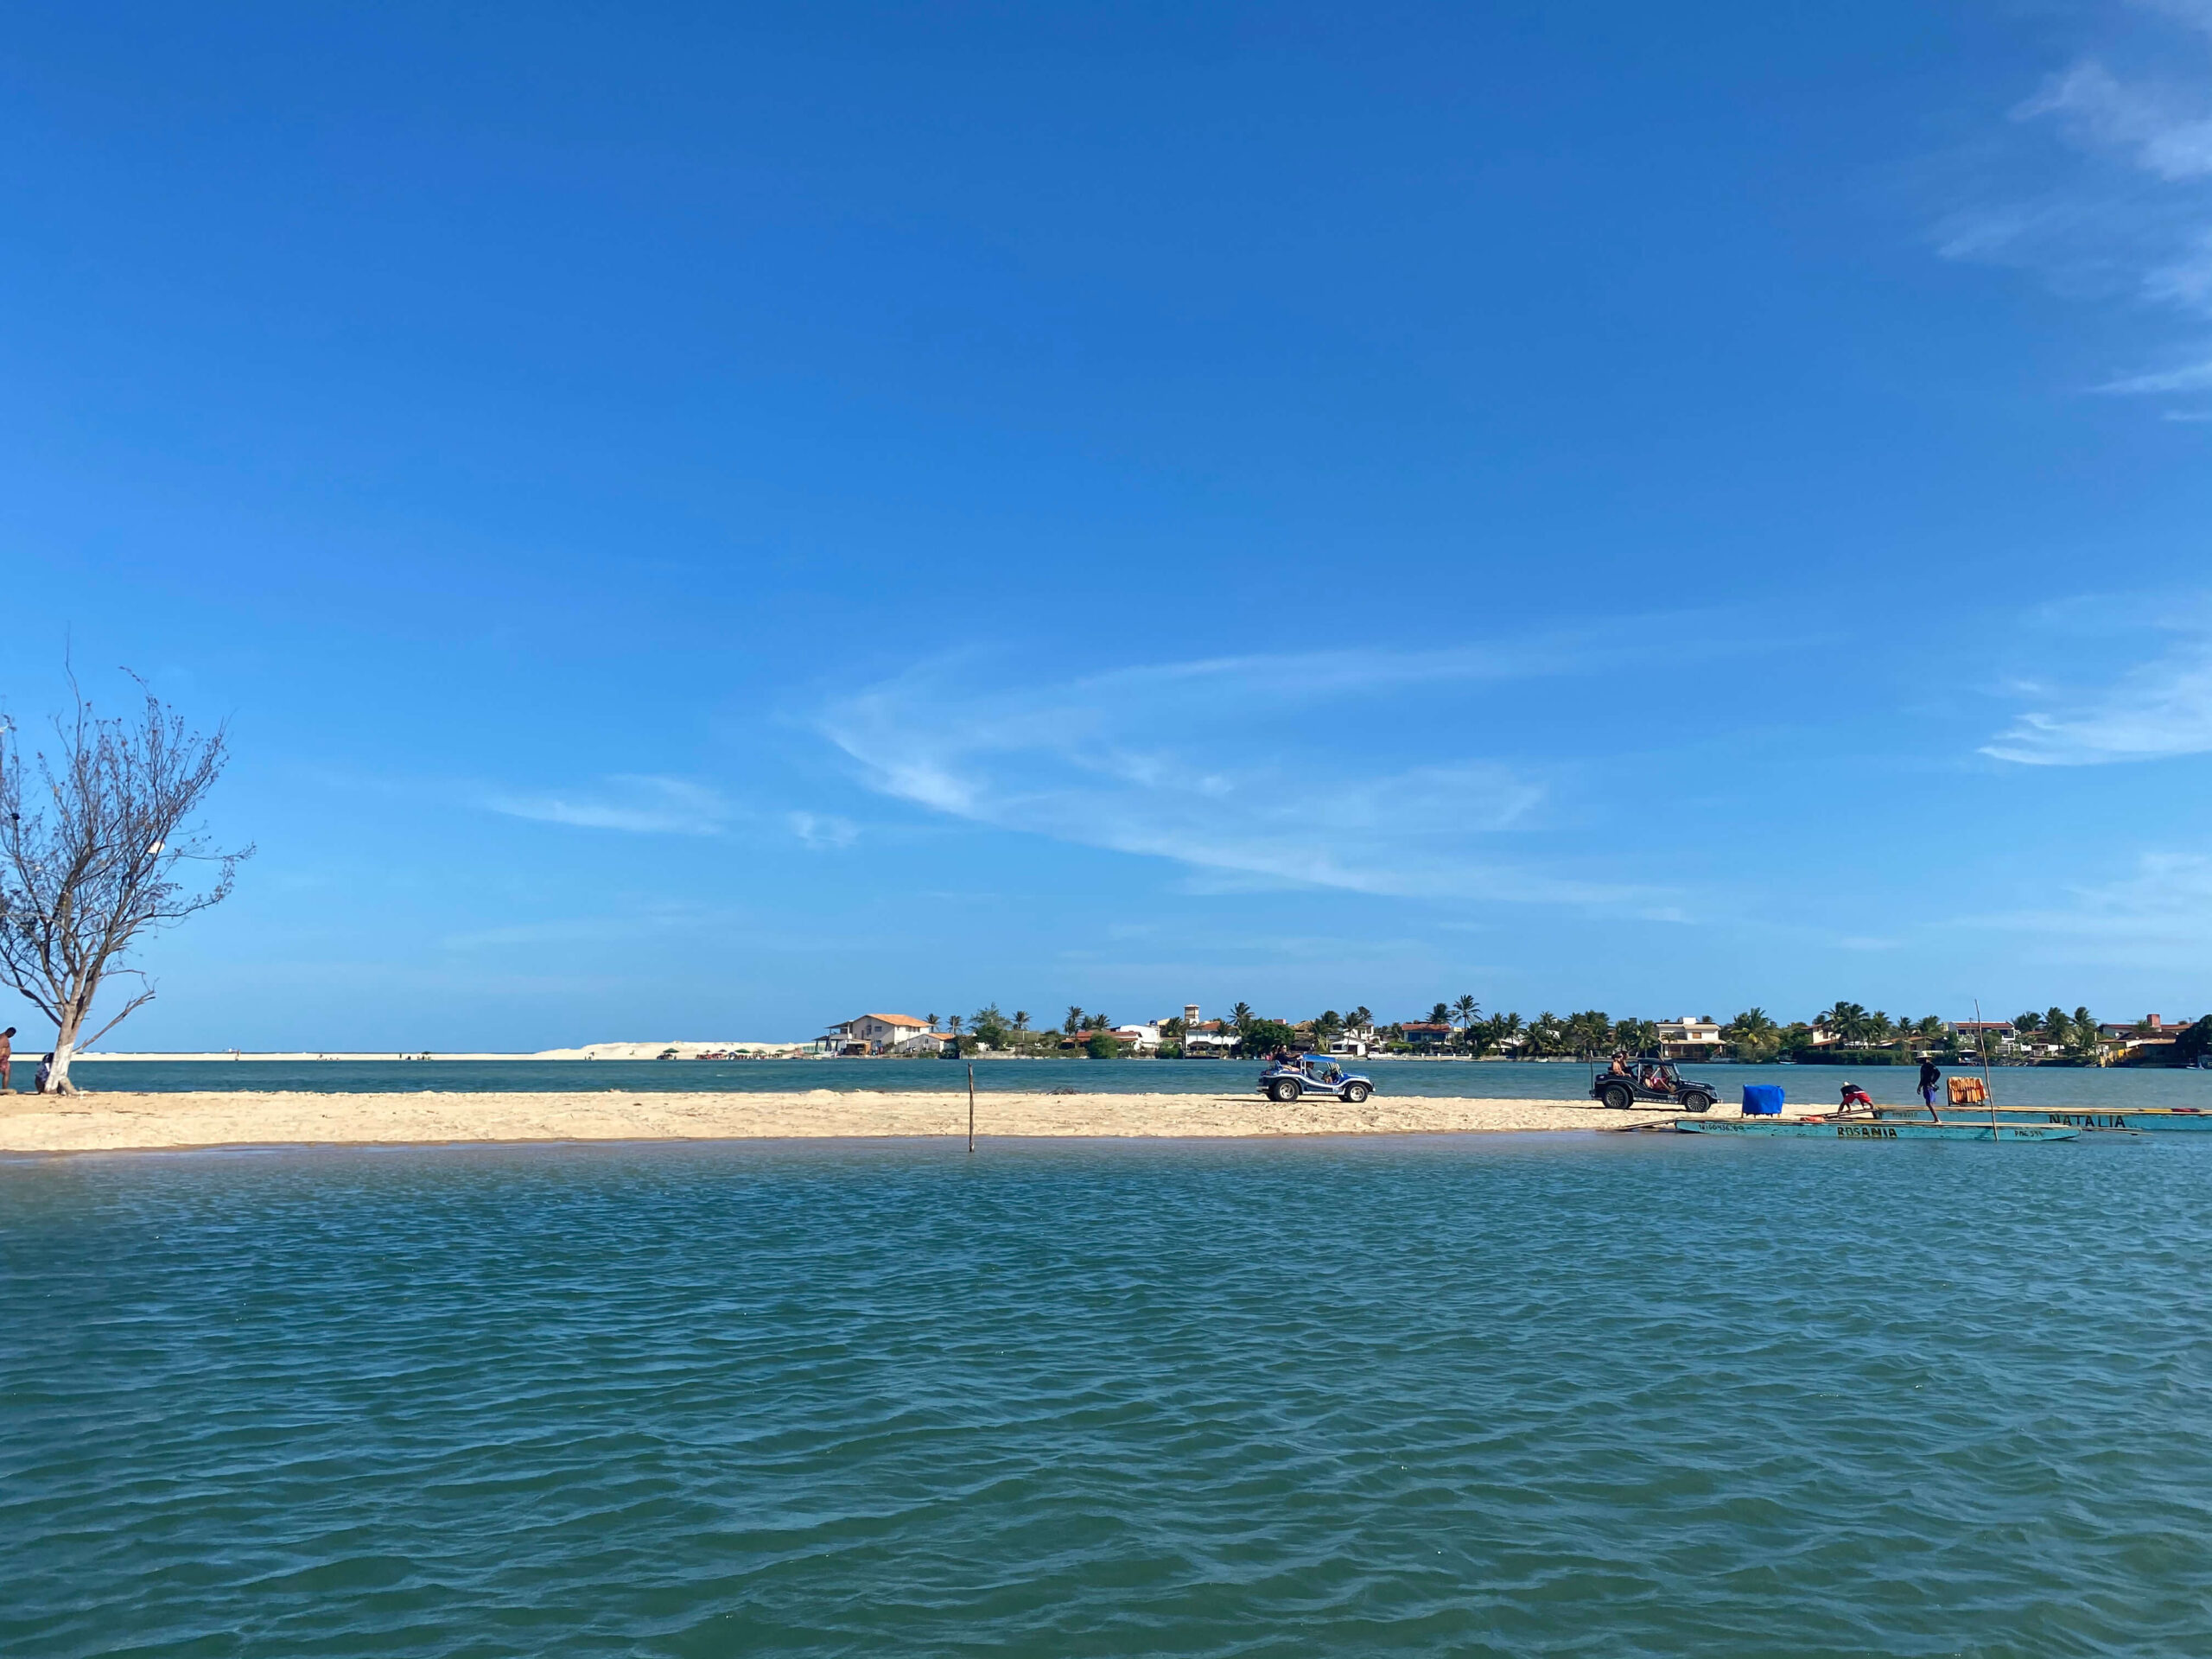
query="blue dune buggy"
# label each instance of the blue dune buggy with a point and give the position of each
(1313, 1074)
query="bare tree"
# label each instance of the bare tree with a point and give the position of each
(96, 863)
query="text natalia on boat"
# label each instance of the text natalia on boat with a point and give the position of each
(2157, 1119)
(1862, 1128)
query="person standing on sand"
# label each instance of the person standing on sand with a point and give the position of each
(7, 1055)
(1931, 1075)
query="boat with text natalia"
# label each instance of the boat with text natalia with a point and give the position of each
(2157, 1120)
(1878, 1129)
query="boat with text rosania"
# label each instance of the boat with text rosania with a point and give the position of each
(1867, 1128)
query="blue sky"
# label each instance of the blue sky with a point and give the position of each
(704, 520)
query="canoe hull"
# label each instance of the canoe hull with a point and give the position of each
(1880, 1129)
(2158, 1119)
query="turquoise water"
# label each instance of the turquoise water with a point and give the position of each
(1813, 1085)
(1506, 1394)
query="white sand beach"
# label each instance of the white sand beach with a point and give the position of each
(116, 1122)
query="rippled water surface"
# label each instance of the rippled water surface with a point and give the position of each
(1567, 1394)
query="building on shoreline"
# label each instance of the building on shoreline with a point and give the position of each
(1686, 1039)
(2146, 1037)
(873, 1033)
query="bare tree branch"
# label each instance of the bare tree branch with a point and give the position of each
(95, 864)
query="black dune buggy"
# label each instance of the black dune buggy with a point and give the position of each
(1651, 1082)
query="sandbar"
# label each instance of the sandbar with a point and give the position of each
(116, 1122)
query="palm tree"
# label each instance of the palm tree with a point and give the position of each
(1361, 1020)
(1440, 1014)
(1752, 1035)
(1467, 1009)
(1240, 1015)
(1848, 1021)
(953, 1023)
(1074, 1022)
(1636, 1036)
(1588, 1031)
(931, 1020)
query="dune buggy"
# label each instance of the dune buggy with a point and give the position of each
(1651, 1082)
(1313, 1074)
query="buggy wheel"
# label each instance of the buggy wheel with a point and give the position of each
(1282, 1089)
(1355, 1092)
(1697, 1103)
(1616, 1097)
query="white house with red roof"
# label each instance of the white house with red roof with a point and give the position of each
(873, 1033)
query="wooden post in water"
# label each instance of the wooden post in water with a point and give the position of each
(971, 1105)
(1981, 1035)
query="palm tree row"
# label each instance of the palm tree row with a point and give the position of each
(1459, 1026)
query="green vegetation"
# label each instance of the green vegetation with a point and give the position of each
(1844, 1032)
(1259, 1037)
(1752, 1035)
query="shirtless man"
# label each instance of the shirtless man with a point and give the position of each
(7, 1054)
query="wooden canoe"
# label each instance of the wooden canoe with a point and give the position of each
(2158, 1119)
(1862, 1128)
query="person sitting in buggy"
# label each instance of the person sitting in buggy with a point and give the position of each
(1654, 1078)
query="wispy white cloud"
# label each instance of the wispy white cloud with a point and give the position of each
(2157, 709)
(2162, 129)
(1250, 770)
(823, 831)
(634, 803)
(640, 920)
(651, 804)
(2158, 914)
(2131, 212)
(2194, 377)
